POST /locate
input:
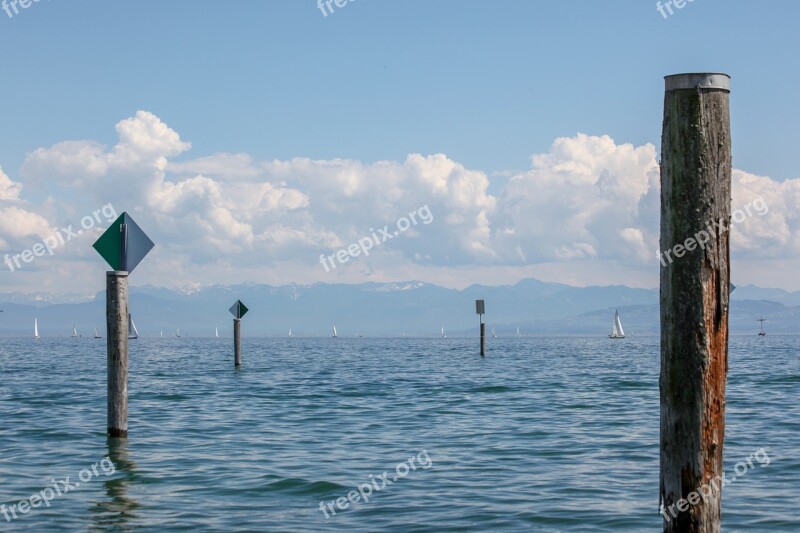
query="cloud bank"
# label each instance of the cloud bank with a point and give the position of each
(587, 205)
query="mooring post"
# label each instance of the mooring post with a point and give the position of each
(695, 290)
(480, 310)
(117, 343)
(237, 341)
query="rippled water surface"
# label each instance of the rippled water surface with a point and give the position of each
(545, 434)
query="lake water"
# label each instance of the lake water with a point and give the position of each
(544, 434)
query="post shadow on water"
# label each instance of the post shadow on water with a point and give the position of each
(117, 510)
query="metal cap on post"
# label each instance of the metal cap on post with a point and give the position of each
(677, 82)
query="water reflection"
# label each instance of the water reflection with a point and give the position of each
(117, 512)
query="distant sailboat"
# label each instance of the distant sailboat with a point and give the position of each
(518, 335)
(335, 335)
(443, 335)
(36, 328)
(178, 333)
(762, 333)
(162, 333)
(617, 332)
(74, 331)
(290, 332)
(494, 335)
(133, 333)
(97, 333)
(216, 332)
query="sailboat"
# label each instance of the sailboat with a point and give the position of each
(443, 335)
(178, 333)
(518, 335)
(74, 331)
(762, 333)
(162, 333)
(97, 333)
(133, 333)
(617, 332)
(216, 332)
(36, 328)
(290, 332)
(494, 335)
(335, 335)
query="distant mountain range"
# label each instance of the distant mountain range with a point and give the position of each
(414, 308)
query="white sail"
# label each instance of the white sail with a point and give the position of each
(132, 332)
(216, 332)
(96, 333)
(334, 332)
(518, 335)
(494, 335)
(617, 331)
(35, 328)
(74, 331)
(443, 335)
(162, 332)
(290, 332)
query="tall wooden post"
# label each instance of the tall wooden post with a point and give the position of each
(237, 342)
(695, 289)
(117, 343)
(483, 339)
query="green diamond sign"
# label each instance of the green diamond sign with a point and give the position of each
(238, 309)
(124, 244)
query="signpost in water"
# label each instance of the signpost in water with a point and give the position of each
(238, 310)
(123, 246)
(480, 309)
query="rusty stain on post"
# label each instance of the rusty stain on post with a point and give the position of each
(695, 285)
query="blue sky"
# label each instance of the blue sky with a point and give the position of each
(488, 84)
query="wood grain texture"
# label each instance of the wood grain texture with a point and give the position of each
(695, 193)
(117, 343)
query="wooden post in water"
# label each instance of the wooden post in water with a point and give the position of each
(480, 310)
(123, 245)
(695, 289)
(238, 310)
(237, 342)
(117, 343)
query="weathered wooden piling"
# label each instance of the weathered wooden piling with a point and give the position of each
(117, 343)
(695, 288)
(237, 342)
(480, 310)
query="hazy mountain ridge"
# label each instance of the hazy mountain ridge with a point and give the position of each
(411, 307)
